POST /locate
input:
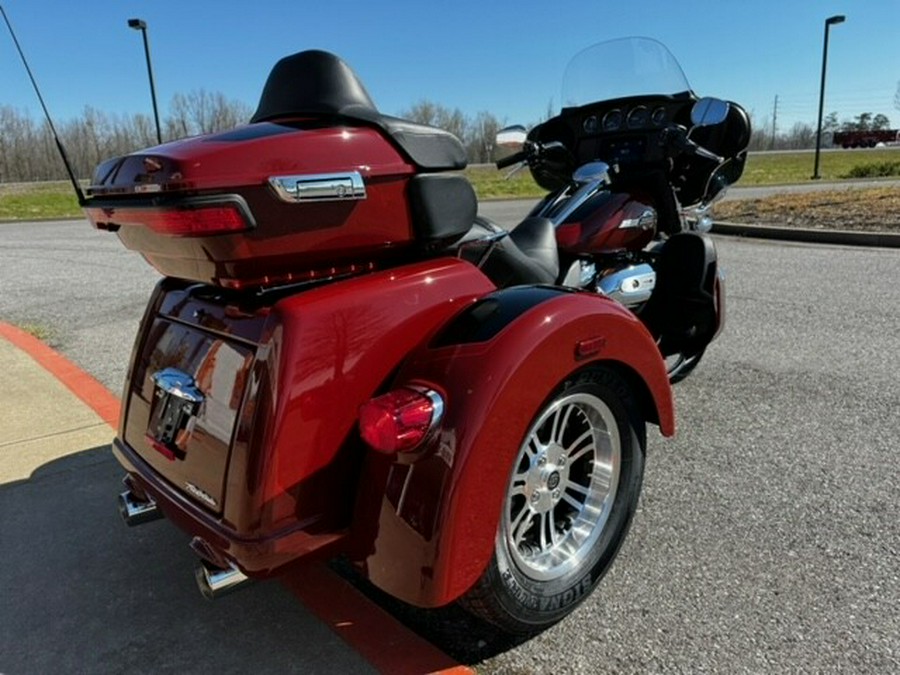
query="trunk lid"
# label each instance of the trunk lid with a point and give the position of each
(258, 206)
(184, 396)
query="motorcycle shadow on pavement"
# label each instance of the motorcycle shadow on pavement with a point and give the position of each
(82, 592)
(460, 635)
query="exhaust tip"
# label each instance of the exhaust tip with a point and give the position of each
(214, 582)
(135, 511)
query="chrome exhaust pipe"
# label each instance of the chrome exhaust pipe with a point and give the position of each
(214, 582)
(136, 511)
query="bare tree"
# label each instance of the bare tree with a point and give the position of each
(423, 112)
(477, 134)
(801, 136)
(204, 112)
(28, 151)
(437, 115)
(760, 135)
(481, 138)
(453, 121)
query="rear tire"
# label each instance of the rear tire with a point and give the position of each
(570, 498)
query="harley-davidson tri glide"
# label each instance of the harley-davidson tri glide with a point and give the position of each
(344, 359)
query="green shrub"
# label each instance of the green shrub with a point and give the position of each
(873, 170)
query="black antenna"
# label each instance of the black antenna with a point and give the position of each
(62, 151)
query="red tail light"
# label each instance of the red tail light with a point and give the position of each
(189, 218)
(400, 419)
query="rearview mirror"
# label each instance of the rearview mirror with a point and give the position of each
(709, 111)
(512, 138)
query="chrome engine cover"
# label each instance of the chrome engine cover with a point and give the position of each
(632, 285)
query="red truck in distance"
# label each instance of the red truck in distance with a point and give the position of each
(865, 139)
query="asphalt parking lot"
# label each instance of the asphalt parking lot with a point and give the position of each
(767, 537)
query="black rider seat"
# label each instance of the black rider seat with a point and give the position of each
(526, 255)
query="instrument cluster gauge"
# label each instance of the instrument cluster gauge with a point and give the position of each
(612, 121)
(591, 125)
(658, 117)
(638, 118)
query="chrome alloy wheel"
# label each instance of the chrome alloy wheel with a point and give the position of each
(563, 487)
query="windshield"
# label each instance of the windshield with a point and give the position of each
(618, 68)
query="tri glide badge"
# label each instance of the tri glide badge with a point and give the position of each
(176, 402)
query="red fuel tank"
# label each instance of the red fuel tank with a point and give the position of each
(608, 221)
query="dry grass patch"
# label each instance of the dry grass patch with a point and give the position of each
(868, 209)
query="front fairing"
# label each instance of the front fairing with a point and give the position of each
(623, 68)
(619, 99)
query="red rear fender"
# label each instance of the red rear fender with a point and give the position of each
(437, 510)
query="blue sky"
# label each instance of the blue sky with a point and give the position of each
(504, 57)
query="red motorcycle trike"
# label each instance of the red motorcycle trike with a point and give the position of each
(343, 359)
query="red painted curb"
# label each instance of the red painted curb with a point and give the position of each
(383, 641)
(90, 391)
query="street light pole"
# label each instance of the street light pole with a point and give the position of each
(141, 25)
(829, 22)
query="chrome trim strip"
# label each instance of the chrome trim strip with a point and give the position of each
(320, 187)
(646, 221)
(436, 400)
(581, 195)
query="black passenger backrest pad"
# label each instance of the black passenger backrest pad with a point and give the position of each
(443, 208)
(319, 84)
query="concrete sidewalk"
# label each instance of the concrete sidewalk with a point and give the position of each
(43, 420)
